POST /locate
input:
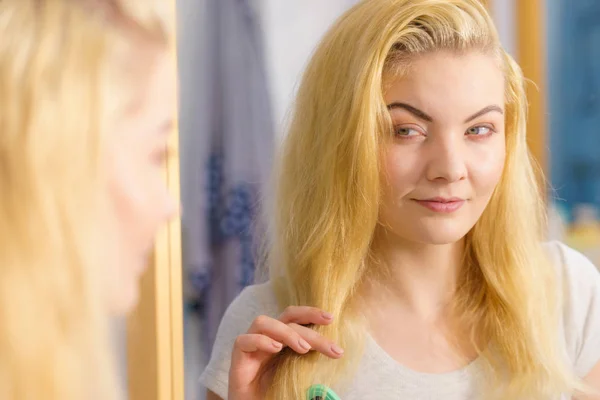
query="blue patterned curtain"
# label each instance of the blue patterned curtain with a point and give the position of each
(219, 243)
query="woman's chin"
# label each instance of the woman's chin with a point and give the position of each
(441, 235)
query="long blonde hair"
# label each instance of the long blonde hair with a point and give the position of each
(328, 194)
(62, 69)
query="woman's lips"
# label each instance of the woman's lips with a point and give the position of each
(442, 205)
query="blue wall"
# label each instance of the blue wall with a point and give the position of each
(574, 100)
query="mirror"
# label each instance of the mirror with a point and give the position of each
(238, 73)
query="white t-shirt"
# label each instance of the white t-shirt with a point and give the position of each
(379, 376)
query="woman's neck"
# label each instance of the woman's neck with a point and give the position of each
(419, 278)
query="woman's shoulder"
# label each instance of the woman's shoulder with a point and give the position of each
(578, 277)
(579, 286)
(574, 269)
(253, 300)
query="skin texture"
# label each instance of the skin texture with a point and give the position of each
(439, 149)
(139, 200)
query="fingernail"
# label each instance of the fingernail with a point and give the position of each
(327, 315)
(337, 349)
(304, 344)
(277, 345)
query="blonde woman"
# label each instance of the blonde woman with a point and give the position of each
(87, 89)
(406, 258)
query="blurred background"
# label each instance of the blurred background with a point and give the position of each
(240, 62)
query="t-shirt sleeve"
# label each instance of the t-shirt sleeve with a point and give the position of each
(581, 283)
(252, 301)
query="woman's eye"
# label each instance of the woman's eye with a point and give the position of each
(479, 130)
(407, 132)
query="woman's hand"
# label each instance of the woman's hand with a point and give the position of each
(268, 336)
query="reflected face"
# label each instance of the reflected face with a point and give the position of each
(139, 198)
(448, 151)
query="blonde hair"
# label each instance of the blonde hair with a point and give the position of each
(328, 194)
(62, 69)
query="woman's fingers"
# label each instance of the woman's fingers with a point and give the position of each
(318, 342)
(280, 332)
(252, 342)
(302, 315)
(268, 336)
(299, 338)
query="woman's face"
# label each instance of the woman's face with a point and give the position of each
(140, 201)
(448, 150)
